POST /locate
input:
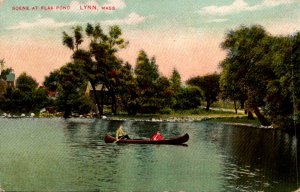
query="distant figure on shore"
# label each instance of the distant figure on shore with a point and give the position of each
(120, 134)
(157, 137)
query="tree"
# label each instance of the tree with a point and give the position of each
(27, 97)
(248, 66)
(209, 84)
(295, 74)
(40, 99)
(3, 70)
(188, 98)
(175, 80)
(165, 94)
(126, 87)
(3, 91)
(229, 90)
(98, 63)
(265, 69)
(70, 84)
(26, 83)
(282, 98)
(146, 71)
(23, 96)
(51, 82)
(2, 62)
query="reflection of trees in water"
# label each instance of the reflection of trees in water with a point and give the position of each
(95, 161)
(138, 162)
(263, 159)
(74, 133)
(91, 133)
(112, 126)
(87, 131)
(106, 164)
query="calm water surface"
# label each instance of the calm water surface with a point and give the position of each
(70, 155)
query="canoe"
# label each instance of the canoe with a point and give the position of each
(173, 141)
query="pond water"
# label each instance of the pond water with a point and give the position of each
(70, 155)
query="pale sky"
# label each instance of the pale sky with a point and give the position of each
(185, 34)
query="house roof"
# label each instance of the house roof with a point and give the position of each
(10, 77)
(98, 88)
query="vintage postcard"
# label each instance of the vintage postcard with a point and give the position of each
(140, 95)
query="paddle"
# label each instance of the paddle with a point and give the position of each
(115, 140)
(119, 139)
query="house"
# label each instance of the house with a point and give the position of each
(10, 79)
(101, 91)
(52, 94)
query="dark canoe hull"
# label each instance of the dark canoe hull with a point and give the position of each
(173, 141)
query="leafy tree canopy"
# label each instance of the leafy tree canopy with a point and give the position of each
(26, 83)
(209, 84)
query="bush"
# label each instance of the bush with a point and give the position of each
(166, 111)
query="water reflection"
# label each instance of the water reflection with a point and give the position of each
(252, 159)
(256, 159)
(72, 153)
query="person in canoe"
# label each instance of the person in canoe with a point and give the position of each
(157, 137)
(120, 134)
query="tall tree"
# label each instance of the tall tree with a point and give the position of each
(282, 98)
(229, 90)
(175, 80)
(51, 82)
(247, 49)
(165, 94)
(71, 87)
(146, 70)
(127, 90)
(295, 66)
(2, 62)
(99, 61)
(147, 74)
(3, 84)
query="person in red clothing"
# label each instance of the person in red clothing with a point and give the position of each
(156, 136)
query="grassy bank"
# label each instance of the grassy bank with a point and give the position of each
(233, 119)
(213, 115)
(236, 120)
(185, 115)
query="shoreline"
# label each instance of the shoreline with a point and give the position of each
(239, 120)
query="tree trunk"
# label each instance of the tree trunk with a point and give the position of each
(207, 105)
(98, 105)
(242, 103)
(235, 108)
(125, 105)
(260, 117)
(101, 98)
(130, 107)
(113, 103)
(249, 114)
